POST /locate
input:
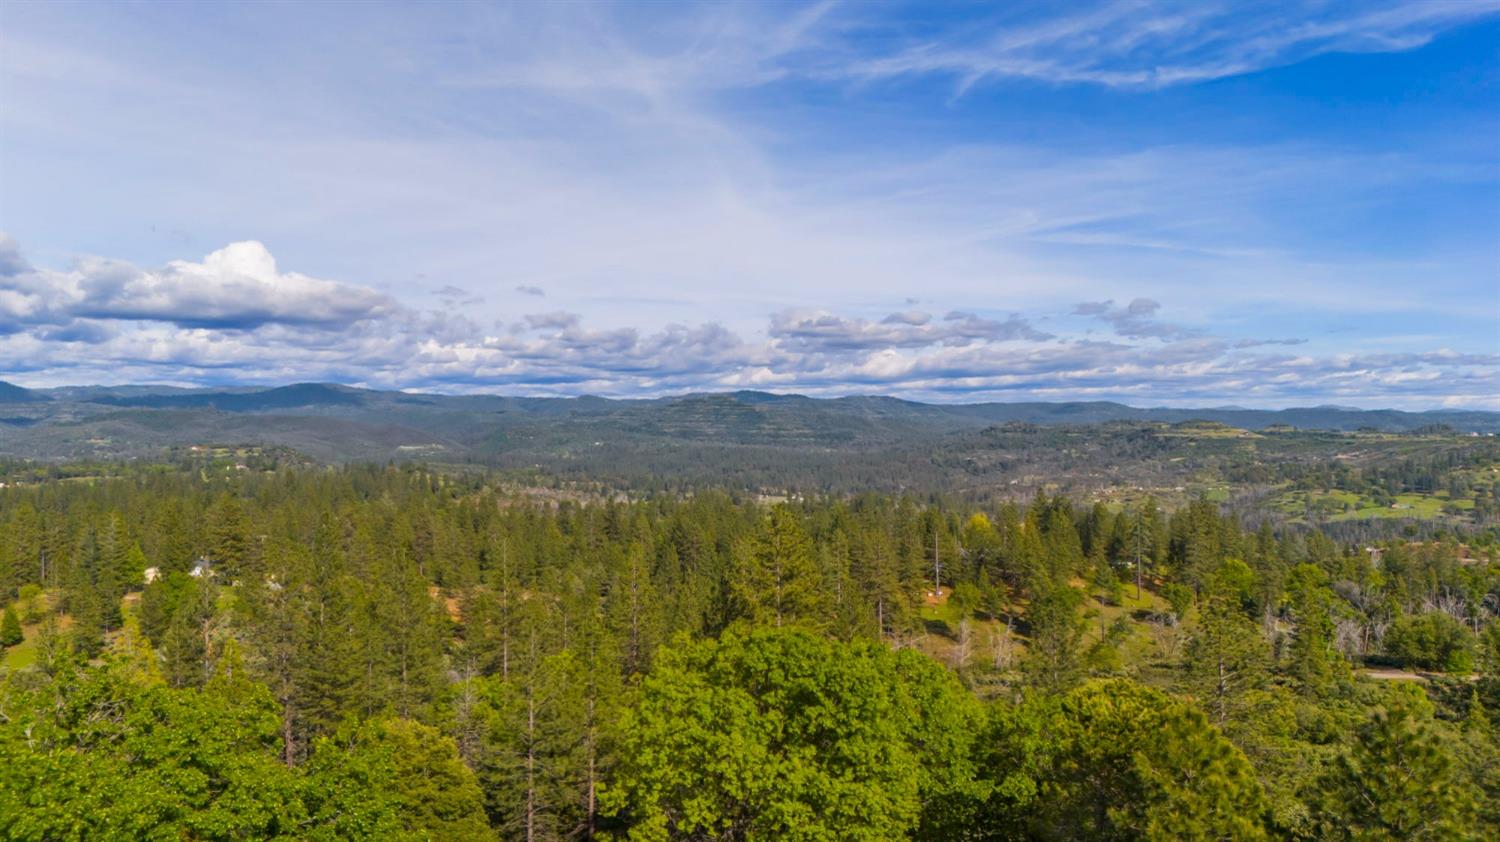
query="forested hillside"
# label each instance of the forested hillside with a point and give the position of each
(260, 647)
(1322, 465)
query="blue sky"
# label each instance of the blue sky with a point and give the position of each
(1264, 204)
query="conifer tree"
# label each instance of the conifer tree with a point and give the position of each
(10, 629)
(228, 537)
(777, 582)
(534, 761)
(634, 610)
(1054, 659)
(1314, 662)
(1226, 657)
(1398, 779)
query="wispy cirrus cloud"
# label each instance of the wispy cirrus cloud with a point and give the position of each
(727, 195)
(1156, 45)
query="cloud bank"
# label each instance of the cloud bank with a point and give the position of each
(234, 317)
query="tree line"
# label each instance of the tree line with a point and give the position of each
(398, 653)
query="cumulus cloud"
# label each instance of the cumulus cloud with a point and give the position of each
(237, 287)
(106, 321)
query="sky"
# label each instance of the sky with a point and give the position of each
(1191, 204)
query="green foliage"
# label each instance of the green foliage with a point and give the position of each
(780, 734)
(398, 653)
(966, 598)
(531, 753)
(31, 606)
(775, 580)
(1433, 640)
(1227, 660)
(188, 646)
(94, 754)
(1398, 780)
(160, 601)
(10, 628)
(435, 795)
(1314, 662)
(1116, 760)
(137, 761)
(1180, 597)
(1054, 661)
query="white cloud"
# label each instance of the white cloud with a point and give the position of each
(199, 337)
(684, 243)
(235, 287)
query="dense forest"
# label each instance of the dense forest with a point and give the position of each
(282, 650)
(760, 442)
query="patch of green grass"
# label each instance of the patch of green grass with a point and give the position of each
(1337, 505)
(21, 655)
(1421, 506)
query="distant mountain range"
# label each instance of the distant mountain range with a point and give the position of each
(337, 423)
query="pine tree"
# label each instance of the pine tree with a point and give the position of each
(229, 537)
(409, 634)
(10, 629)
(1314, 662)
(534, 762)
(776, 581)
(877, 571)
(1226, 657)
(188, 647)
(184, 651)
(87, 607)
(634, 610)
(1398, 780)
(1118, 760)
(1054, 658)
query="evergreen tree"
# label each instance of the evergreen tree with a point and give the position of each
(10, 629)
(188, 647)
(1398, 779)
(1123, 761)
(228, 537)
(634, 610)
(1054, 660)
(1315, 664)
(776, 581)
(418, 769)
(1227, 657)
(88, 610)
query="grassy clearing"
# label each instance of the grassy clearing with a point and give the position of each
(23, 654)
(1337, 505)
(942, 619)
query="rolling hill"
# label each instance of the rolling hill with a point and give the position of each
(754, 440)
